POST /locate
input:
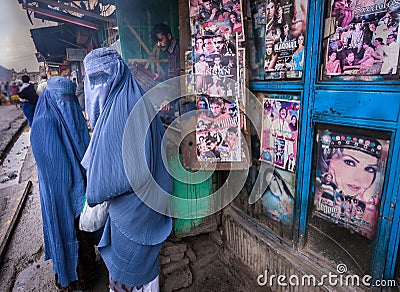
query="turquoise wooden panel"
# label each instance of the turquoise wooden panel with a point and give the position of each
(382, 106)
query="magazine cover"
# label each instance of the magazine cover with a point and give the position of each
(285, 30)
(349, 180)
(279, 132)
(364, 39)
(218, 137)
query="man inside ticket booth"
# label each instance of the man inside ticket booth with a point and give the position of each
(161, 34)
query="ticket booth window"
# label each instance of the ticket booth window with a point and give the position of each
(135, 21)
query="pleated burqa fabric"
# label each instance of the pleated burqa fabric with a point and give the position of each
(133, 233)
(59, 138)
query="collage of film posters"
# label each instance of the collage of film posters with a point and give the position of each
(349, 180)
(279, 132)
(217, 29)
(282, 24)
(364, 39)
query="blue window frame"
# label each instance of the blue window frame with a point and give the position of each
(356, 103)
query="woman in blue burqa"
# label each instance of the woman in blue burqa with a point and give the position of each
(59, 138)
(134, 232)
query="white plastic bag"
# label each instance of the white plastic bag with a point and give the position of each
(93, 218)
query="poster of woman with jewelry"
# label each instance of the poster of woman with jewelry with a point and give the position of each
(349, 179)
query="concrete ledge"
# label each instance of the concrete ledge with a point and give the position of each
(262, 254)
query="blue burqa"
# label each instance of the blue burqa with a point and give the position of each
(133, 233)
(59, 138)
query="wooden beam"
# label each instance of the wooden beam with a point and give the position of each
(60, 16)
(148, 60)
(77, 10)
(137, 37)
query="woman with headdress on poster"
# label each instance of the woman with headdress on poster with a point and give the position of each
(355, 165)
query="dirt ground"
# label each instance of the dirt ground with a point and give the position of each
(213, 272)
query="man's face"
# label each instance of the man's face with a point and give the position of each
(163, 41)
(211, 145)
(201, 104)
(286, 28)
(299, 17)
(217, 61)
(216, 109)
(209, 45)
(207, 5)
(230, 108)
(218, 43)
(283, 114)
(389, 40)
(270, 10)
(372, 27)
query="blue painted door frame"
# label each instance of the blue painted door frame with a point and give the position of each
(369, 105)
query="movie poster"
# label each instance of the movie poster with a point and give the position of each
(285, 29)
(218, 136)
(279, 132)
(364, 38)
(277, 201)
(216, 26)
(215, 66)
(65, 70)
(189, 72)
(349, 179)
(215, 17)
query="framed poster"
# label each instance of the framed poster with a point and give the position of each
(279, 132)
(350, 171)
(362, 39)
(215, 132)
(285, 32)
(218, 136)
